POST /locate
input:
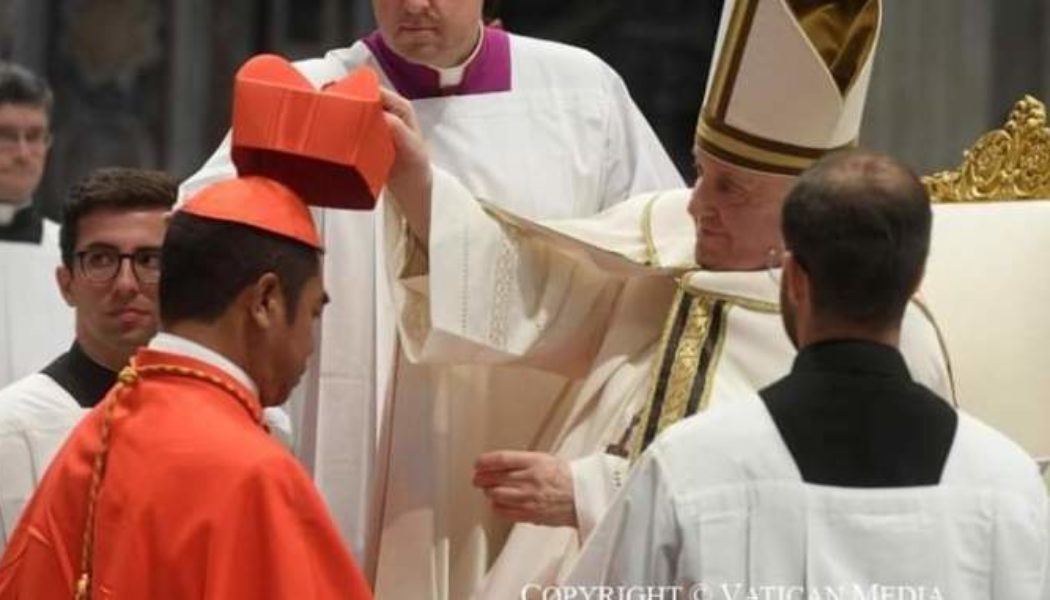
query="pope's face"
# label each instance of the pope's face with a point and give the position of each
(737, 215)
(440, 33)
(24, 141)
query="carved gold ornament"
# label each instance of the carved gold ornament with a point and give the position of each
(1012, 163)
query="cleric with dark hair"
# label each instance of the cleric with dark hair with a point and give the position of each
(111, 236)
(859, 223)
(35, 324)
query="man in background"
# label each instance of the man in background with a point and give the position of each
(25, 137)
(112, 230)
(34, 323)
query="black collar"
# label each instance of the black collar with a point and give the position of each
(854, 357)
(851, 416)
(27, 227)
(84, 379)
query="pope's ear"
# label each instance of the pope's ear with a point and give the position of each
(266, 302)
(64, 280)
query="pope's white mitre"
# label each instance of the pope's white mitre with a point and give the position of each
(789, 81)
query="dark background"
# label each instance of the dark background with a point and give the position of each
(147, 82)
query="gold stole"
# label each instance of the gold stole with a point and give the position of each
(683, 370)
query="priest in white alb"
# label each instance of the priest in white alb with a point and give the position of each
(35, 324)
(615, 305)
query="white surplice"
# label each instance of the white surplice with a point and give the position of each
(565, 141)
(743, 523)
(36, 415)
(566, 317)
(35, 322)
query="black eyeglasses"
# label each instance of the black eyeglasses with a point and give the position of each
(101, 265)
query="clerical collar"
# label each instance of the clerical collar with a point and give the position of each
(452, 76)
(174, 344)
(487, 70)
(24, 224)
(82, 378)
(8, 211)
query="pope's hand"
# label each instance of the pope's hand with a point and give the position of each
(410, 179)
(530, 487)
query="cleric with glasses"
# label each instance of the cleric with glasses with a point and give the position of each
(102, 264)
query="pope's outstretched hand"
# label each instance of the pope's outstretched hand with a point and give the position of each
(529, 487)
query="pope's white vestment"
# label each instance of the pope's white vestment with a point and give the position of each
(586, 301)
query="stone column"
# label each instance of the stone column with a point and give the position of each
(1018, 51)
(190, 85)
(24, 32)
(950, 70)
(930, 92)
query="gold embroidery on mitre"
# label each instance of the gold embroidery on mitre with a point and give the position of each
(1012, 163)
(724, 78)
(842, 32)
(842, 35)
